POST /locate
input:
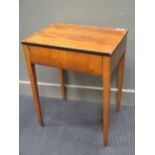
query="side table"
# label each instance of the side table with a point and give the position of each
(87, 49)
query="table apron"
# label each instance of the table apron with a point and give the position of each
(66, 59)
(118, 53)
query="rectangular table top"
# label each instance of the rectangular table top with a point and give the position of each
(78, 37)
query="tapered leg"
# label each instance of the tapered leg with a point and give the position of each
(106, 96)
(120, 82)
(33, 80)
(60, 72)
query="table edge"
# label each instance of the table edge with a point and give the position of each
(65, 48)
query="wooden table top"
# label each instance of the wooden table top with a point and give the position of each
(79, 37)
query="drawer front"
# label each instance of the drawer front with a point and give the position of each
(75, 61)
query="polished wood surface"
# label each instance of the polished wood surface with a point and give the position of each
(62, 85)
(87, 49)
(120, 81)
(80, 62)
(106, 78)
(34, 86)
(117, 54)
(87, 38)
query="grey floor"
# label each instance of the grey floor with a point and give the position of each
(73, 128)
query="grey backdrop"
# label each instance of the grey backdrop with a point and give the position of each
(35, 14)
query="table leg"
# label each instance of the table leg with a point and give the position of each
(33, 81)
(106, 97)
(60, 73)
(120, 82)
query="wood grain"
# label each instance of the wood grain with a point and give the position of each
(64, 59)
(81, 37)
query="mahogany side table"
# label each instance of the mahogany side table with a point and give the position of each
(87, 49)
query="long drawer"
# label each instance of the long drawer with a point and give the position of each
(66, 59)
